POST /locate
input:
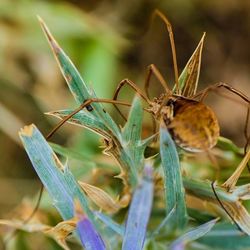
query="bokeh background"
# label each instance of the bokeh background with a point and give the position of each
(108, 41)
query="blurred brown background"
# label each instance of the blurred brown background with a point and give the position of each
(108, 41)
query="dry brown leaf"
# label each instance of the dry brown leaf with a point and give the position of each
(230, 183)
(61, 231)
(29, 227)
(100, 198)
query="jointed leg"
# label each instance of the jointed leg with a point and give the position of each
(152, 69)
(203, 94)
(227, 96)
(82, 106)
(134, 87)
(172, 43)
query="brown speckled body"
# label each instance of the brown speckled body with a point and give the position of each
(193, 125)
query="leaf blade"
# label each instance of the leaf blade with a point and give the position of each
(174, 190)
(139, 212)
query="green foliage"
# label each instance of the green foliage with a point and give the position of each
(131, 226)
(173, 185)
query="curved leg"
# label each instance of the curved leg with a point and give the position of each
(203, 94)
(86, 104)
(134, 87)
(152, 70)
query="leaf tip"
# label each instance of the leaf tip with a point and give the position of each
(54, 45)
(27, 130)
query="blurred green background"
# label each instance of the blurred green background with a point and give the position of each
(108, 41)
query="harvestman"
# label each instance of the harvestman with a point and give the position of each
(192, 124)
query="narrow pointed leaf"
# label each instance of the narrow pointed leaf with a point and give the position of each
(231, 201)
(131, 133)
(119, 229)
(43, 161)
(192, 235)
(132, 129)
(190, 75)
(139, 212)
(163, 223)
(225, 236)
(78, 88)
(84, 119)
(84, 158)
(81, 93)
(173, 186)
(227, 144)
(57, 179)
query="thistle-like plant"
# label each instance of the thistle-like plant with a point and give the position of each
(154, 209)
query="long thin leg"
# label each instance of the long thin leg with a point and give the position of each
(82, 106)
(247, 136)
(172, 43)
(134, 87)
(229, 97)
(152, 70)
(35, 209)
(203, 94)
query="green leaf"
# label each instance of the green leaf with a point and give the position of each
(167, 218)
(84, 119)
(225, 236)
(131, 134)
(189, 77)
(78, 88)
(81, 93)
(227, 144)
(193, 234)
(119, 229)
(57, 179)
(45, 163)
(84, 158)
(231, 201)
(173, 186)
